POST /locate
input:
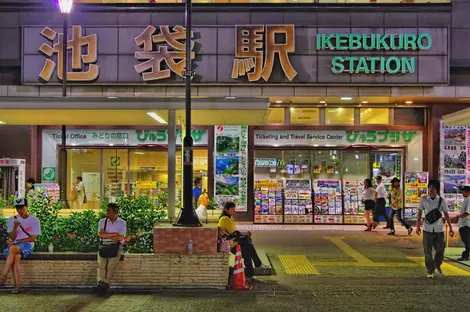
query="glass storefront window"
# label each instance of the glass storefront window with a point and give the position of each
(85, 163)
(276, 116)
(115, 172)
(326, 165)
(339, 116)
(375, 116)
(200, 166)
(309, 116)
(148, 171)
(355, 165)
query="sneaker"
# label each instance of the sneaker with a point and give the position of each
(430, 276)
(253, 279)
(410, 230)
(264, 267)
(391, 233)
(463, 259)
(439, 271)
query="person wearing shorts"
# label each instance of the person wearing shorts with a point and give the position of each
(369, 203)
(23, 229)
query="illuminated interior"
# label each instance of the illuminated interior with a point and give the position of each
(339, 116)
(375, 116)
(309, 116)
(146, 170)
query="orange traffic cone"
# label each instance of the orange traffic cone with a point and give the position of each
(238, 277)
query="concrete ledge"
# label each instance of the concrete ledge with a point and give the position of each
(137, 270)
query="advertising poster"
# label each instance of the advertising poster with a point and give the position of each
(231, 165)
(416, 186)
(268, 201)
(453, 164)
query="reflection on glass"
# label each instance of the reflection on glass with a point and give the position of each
(276, 116)
(375, 116)
(115, 172)
(339, 116)
(326, 165)
(305, 116)
(84, 163)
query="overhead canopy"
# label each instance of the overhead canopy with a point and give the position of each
(130, 111)
(460, 118)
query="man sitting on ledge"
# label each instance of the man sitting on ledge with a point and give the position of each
(111, 231)
(23, 229)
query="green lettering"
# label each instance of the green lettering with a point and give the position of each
(354, 42)
(382, 65)
(373, 60)
(319, 47)
(341, 39)
(382, 42)
(326, 41)
(362, 66)
(408, 65)
(388, 65)
(410, 40)
(393, 42)
(351, 63)
(421, 41)
(337, 65)
(365, 39)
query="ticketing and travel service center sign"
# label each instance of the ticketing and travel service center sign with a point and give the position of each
(243, 54)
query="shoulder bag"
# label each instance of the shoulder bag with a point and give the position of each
(22, 228)
(108, 251)
(434, 215)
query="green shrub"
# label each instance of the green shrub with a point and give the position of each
(79, 231)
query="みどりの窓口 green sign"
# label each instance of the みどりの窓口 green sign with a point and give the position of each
(374, 42)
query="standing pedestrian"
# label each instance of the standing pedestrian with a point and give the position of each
(433, 206)
(111, 231)
(464, 224)
(381, 196)
(369, 203)
(397, 208)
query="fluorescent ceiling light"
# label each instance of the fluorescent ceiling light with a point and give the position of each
(346, 98)
(278, 102)
(112, 97)
(230, 98)
(409, 102)
(322, 102)
(156, 117)
(364, 102)
(2, 122)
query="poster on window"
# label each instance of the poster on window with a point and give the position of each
(416, 186)
(231, 165)
(453, 164)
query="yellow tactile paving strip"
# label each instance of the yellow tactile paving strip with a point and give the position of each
(297, 265)
(338, 241)
(447, 268)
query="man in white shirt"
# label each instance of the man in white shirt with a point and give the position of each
(79, 191)
(380, 202)
(23, 229)
(433, 235)
(111, 231)
(464, 224)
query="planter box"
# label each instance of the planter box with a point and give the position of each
(136, 271)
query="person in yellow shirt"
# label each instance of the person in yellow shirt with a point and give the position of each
(227, 227)
(203, 199)
(397, 208)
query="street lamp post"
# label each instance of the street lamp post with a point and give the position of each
(65, 8)
(187, 216)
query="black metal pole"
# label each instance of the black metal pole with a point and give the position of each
(187, 215)
(63, 150)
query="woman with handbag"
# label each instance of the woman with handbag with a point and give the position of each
(227, 228)
(111, 231)
(369, 203)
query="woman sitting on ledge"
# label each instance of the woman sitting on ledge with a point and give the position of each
(227, 227)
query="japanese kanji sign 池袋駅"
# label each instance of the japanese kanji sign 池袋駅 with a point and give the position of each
(256, 47)
(83, 67)
(152, 69)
